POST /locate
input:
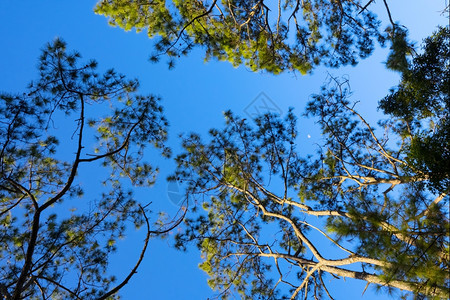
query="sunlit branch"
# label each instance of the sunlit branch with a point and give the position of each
(329, 267)
(433, 204)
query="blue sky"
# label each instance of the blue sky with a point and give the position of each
(195, 94)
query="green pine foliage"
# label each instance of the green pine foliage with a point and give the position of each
(380, 201)
(257, 34)
(47, 249)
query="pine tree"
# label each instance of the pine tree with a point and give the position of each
(273, 36)
(48, 249)
(367, 192)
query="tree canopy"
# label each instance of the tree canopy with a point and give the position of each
(53, 243)
(271, 221)
(379, 199)
(258, 231)
(264, 35)
(422, 101)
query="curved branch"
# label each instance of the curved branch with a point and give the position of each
(190, 23)
(136, 266)
(124, 144)
(141, 257)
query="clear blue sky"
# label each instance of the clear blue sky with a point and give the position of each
(194, 96)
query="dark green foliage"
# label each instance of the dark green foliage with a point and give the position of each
(48, 251)
(292, 35)
(400, 49)
(422, 101)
